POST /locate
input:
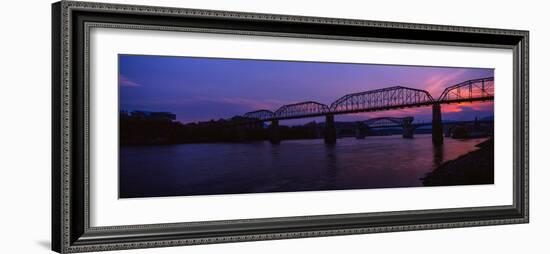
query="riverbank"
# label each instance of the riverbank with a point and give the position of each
(476, 167)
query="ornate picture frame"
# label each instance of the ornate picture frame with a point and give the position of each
(71, 229)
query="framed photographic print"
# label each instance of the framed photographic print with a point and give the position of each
(181, 126)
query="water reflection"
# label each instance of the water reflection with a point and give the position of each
(438, 155)
(332, 166)
(293, 165)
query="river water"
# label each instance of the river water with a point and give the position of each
(293, 165)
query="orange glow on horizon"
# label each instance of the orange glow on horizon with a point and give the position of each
(472, 106)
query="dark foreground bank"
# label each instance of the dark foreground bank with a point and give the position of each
(476, 167)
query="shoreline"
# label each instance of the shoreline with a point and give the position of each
(476, 167)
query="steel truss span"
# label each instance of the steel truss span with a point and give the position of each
(302, 109)
(482, 89)
(259, 114)
(388, 121)
(381, 99)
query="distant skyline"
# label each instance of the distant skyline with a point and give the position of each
(202, 89)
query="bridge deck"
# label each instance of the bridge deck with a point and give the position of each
(342, 112)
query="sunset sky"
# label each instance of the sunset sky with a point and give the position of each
(201, 89)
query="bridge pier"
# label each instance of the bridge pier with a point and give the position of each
(330, 130)
(274, 132)
(360, 130)
(437, 126)
(408, 131)
(408, 128)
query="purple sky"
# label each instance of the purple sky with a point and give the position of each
(201, 89)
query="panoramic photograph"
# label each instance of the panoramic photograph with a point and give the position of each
(207, 126)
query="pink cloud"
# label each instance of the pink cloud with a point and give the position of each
(124, 81)
(437, 83)
(452, 108)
